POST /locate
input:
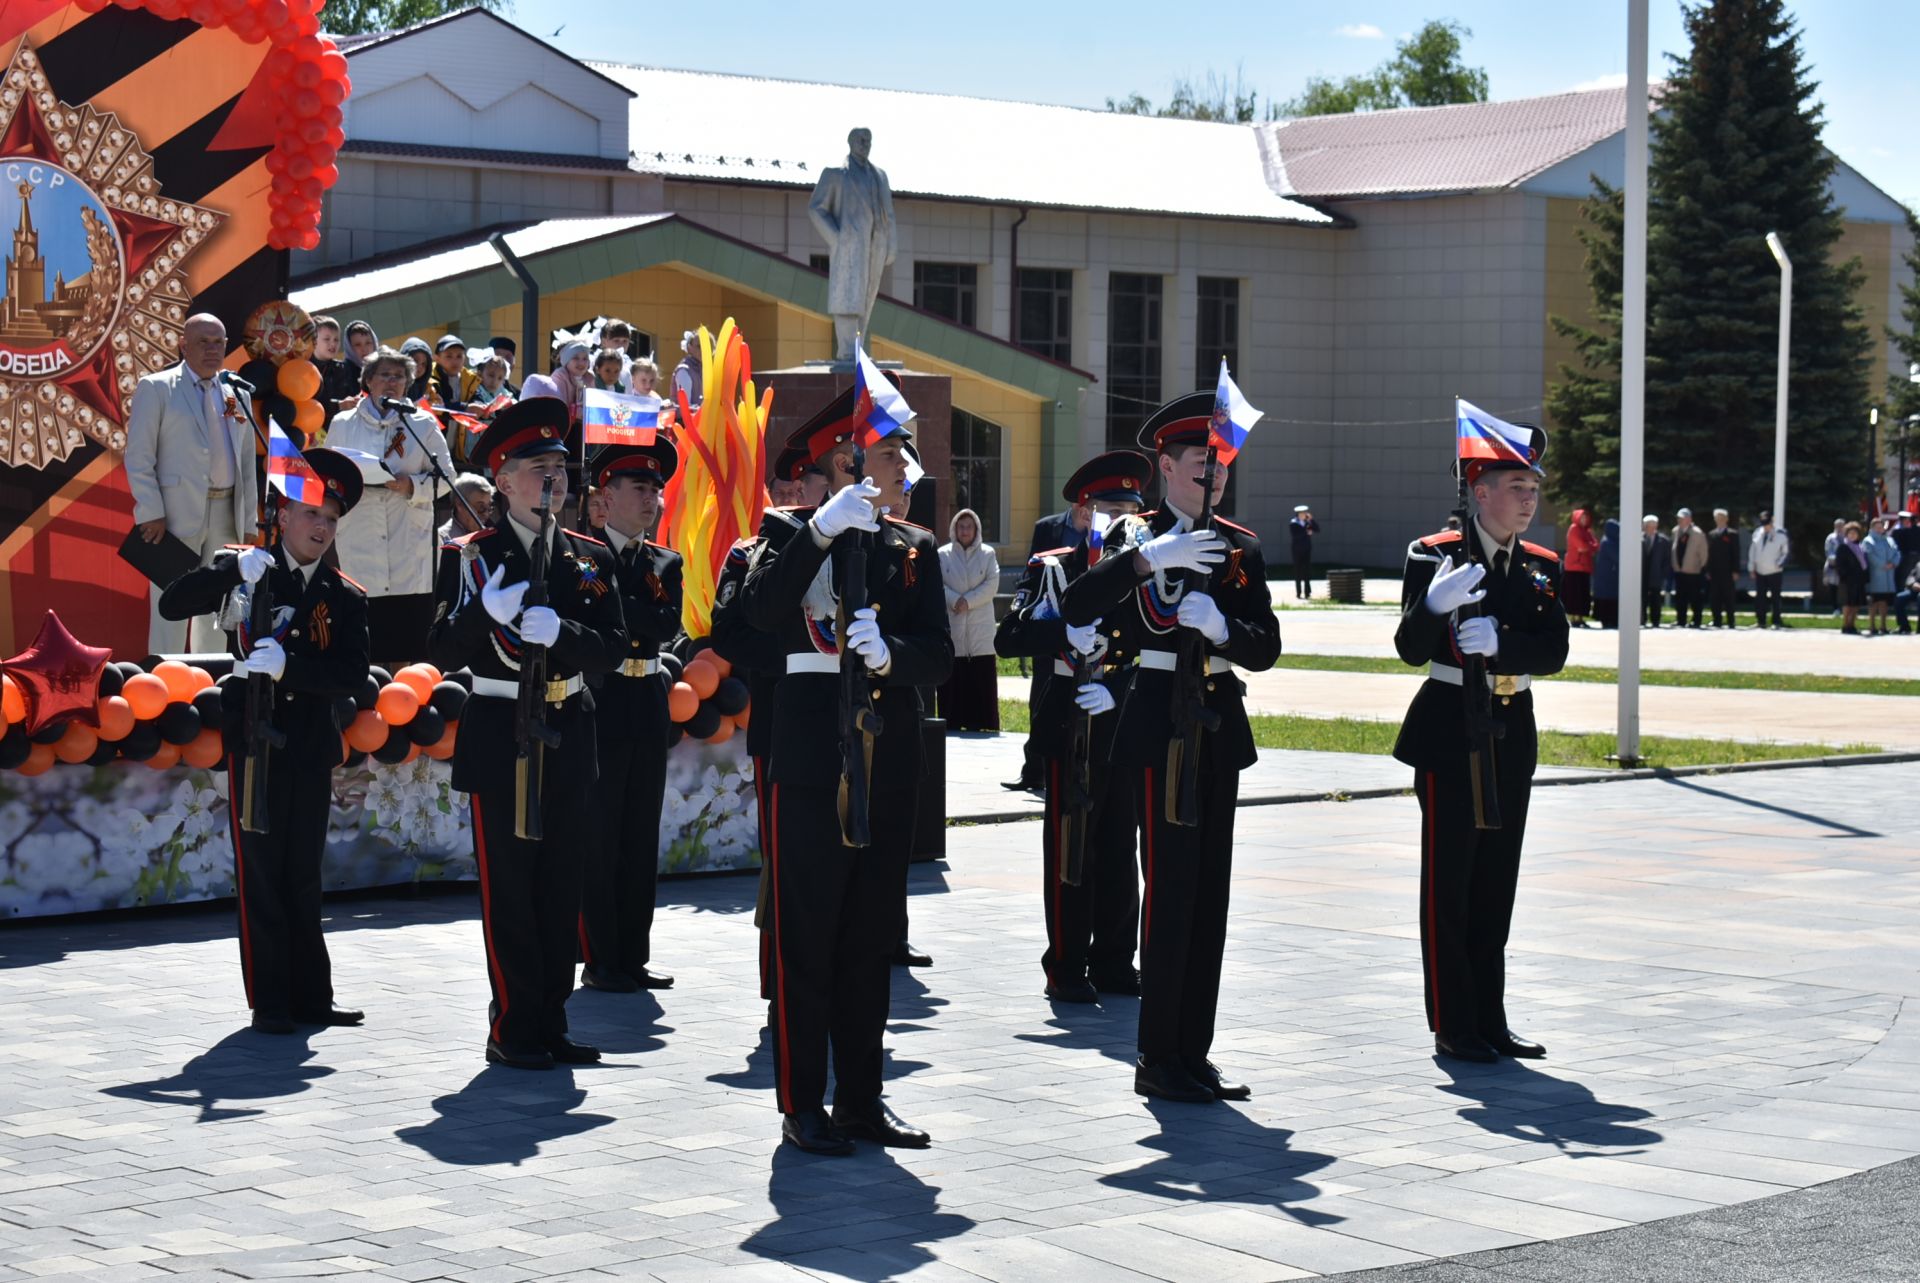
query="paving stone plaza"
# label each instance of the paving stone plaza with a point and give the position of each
(1718, 966)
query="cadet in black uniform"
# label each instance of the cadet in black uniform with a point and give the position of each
(1468, 875)
(623, 865)
(837, 908)
(1091, 927)
(529, 890)
(1137, 589)
(316, 653)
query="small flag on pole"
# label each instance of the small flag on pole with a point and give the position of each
(289, 472)
(878, 407)
(619, 418)
(1233, 418)
(1482, 437)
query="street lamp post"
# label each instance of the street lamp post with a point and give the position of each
(1780, 389)
(1873, 468)
(1633, 383)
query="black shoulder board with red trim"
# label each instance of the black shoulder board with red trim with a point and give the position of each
(1445, 536)
(1038, 557)
(1538, 551)
(349, 580)
(599, 543)
(911, 525)
(458, 542)
(1234, 525)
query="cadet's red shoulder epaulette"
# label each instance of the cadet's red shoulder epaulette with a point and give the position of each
(458, 542)
(588, 538)
(238, 547)
(783, 507)
(1038, 557)
(1444, 536)
(1234, 525)
(349, 580)
(911, 525)
(1538, 551)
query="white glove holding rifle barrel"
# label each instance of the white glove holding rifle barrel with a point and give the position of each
(848, 508)
(1094, 699)
(253, 563)
(1457, 584)
(1183, 550)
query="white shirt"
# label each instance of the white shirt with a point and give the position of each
(617, 541)
(1489, 547)
(525, 536)
(213, 405)
(305, 572)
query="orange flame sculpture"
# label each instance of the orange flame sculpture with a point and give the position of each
(717, 495)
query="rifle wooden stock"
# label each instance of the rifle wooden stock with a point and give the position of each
(860, 725)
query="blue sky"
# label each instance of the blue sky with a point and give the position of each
(1081, 53)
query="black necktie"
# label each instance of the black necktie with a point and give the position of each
(1500, 564)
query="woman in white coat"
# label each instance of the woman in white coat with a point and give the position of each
(970, 699)
(387, 543)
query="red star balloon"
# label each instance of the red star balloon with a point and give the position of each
(58, 677)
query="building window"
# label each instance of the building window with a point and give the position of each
(1133, 355)
(818, 262)
(976, 471)
(1043, 313)
(945, 289)
(1217, 333)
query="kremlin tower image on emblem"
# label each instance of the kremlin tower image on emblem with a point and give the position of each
(34, 315)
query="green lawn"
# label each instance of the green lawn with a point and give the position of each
(1557, 748)
(1818, 683)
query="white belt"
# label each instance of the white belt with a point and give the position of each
(500, 688)
(639, 667)
(805, 663)
(1167, 661)
(1498, 683)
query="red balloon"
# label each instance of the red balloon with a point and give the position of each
(204, 12)
(309, 239)
(58, 677)
(328, 176)
(334, 92)
(333, 65)
(275, 13)
(300, 166)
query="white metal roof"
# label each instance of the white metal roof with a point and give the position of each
(701, 125)
(475, 256)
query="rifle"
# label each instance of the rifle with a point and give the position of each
(531, 733)
(1076, 816)
(261, 734)
(1482, 729)
(860, 725)
(1191, 716)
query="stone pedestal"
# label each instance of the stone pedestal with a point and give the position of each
(800, 392)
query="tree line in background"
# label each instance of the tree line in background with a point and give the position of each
(359, 17)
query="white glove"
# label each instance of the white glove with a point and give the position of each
(1198, 612)
(848, 508)
(539, 626)
(254, 563)
(1082, 637)
(1094, 699)
(1479, 636)
(502, 603)
(863, 634)
(267, 657)
(1454, 586)
(1189, 550)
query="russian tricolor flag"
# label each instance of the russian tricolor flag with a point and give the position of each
(289, 472)
(1233, 418)
(878, 408)
(1482, 437)
(619, 418)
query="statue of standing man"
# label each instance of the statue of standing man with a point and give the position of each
(853, 210)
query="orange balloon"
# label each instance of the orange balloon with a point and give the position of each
(702, 676)
(417, 679)
(203, 750)
(12, 702)
(147, 694)
(397, 703)
(201, 677)
(298, 380)
(682, 701)
(169, 755)
(744, 717)
(723, 732)
(309, 416)
(721, 664)
(39, 760)
(179, 679)
(77, 744)
(434, 675)
(367, 731)
(413, 751)
(116, 719)
(442, 749)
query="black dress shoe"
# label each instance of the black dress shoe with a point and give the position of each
(905, 955)
(608, 981)
(876, 1121)
(1021, 785)
(1125, 983)
(329, 1016)
(1207, 1074)
(518, 1057)
(809, 1130)
(1466, 1047)
(264, 1024)
(646, 979)
(1169, 1080)
(1073, 991)
(566, 1051)
(1509, 1043)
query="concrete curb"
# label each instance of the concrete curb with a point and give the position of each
(1591, 777)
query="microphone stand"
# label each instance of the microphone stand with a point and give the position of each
(406, 410)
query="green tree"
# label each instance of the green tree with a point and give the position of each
(1218, 99)
(1903, 394)
(1735, 153)
(1425, 71)
(358, 17)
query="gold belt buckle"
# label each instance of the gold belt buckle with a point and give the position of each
(634, 667)
(557, 691)
(1505, 684)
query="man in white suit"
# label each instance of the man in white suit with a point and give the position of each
(190, 466)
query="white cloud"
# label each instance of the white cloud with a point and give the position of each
(1360, 31)
(1612, 80)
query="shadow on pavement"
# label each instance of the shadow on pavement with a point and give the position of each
(1215, 1153)
(1526, 1104)
(758, 1073)
(1112, 1028)
(503, 1116)
(242, 1066)
(618, 1022)
(1809, 818)
(819, 1202)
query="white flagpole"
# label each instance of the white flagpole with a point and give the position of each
(1633, 382)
